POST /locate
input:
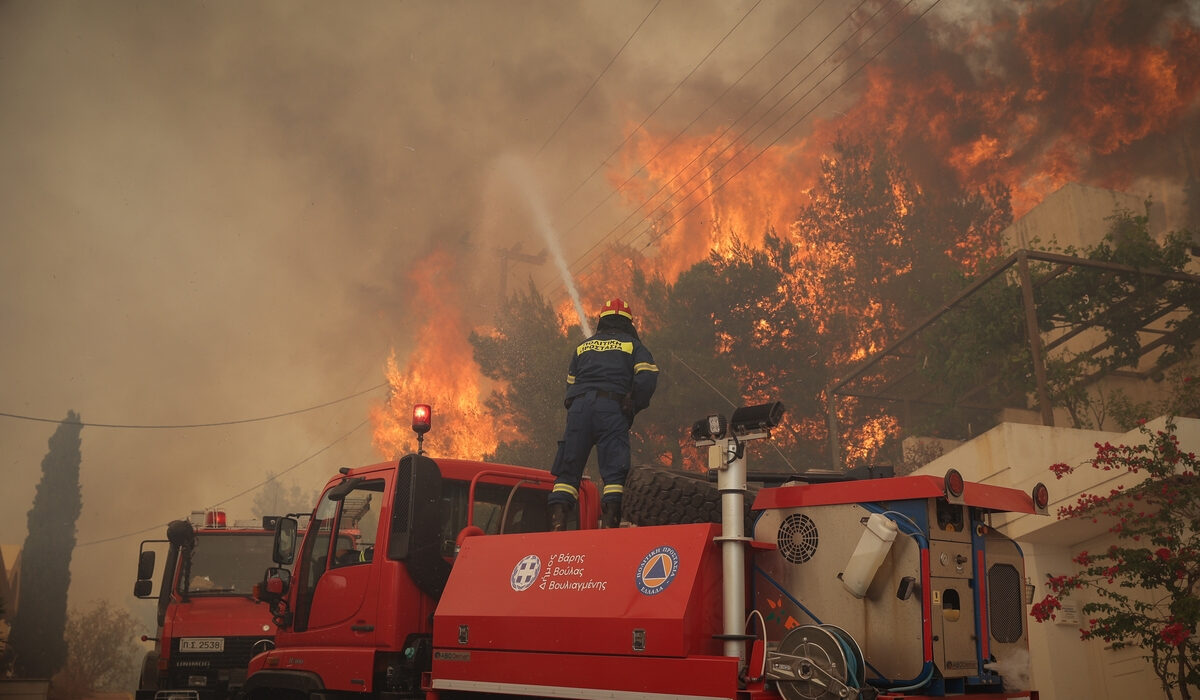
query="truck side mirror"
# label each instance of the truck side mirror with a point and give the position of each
(284, 549)
(144, 585)
(274, 586)
(145, 565)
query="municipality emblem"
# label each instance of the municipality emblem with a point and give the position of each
(525, 572)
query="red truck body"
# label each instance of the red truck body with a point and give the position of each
(878, 589)
(365, 622)
(209, 624)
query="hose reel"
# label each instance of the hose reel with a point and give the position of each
(819, 662)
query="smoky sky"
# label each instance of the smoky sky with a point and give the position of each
(211, 211)
(208, 212)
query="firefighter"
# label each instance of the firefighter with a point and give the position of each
(610, 378)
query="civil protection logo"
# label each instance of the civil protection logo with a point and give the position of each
(525, 572)
(657, 570)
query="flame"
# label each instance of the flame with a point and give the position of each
(440, 371)
(1030, 98)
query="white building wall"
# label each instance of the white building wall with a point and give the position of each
(1019, 456)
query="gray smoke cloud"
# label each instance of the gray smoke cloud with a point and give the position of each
(210, 212)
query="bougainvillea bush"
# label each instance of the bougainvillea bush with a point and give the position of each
(1145, 591)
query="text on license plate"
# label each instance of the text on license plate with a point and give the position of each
(202, 644)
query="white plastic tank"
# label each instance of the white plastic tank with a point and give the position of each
(873, 546)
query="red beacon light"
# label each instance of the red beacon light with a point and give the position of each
(422, 418)
(422, 422)
(954, 485)
(215, 519)
(1041, 498)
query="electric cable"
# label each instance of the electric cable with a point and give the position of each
(260, 484)
(554, 283)
(707, 165)
(612, 193)
(597, 80)
(800, 119)
(660, 104)
(202, 425)
(711, 176)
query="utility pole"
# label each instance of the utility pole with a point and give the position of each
(514, 253)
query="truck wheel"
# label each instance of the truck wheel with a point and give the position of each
(655, 496)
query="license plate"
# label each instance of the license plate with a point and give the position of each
(202, 644)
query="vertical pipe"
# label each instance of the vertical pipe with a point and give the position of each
(731, 483)
(834, 446)
(1035, 338)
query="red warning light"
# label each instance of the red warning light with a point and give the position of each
(1041, 496)
(954, 484)
(422, 418)
(214, 518)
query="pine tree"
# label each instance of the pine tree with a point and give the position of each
(37, 637)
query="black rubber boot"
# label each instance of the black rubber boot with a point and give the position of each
(610, 514)
(558, 517)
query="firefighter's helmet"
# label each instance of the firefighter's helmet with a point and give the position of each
(616, 306)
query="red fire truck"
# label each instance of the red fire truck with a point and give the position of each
(877, 589)
(209, 624)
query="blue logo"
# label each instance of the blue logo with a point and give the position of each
(657, 570)
(525, 572)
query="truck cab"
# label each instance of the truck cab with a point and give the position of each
(209, 624)
(356, 614)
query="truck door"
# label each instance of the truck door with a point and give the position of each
(336, 600)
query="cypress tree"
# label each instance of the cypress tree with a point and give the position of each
(37, 639)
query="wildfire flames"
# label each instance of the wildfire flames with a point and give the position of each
(1039, 95)
(441, 371)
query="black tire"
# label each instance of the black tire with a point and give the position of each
(655, 496)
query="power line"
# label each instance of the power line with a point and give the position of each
(801, 118)
(681, 132)
(750, 141)
(711, 177)
(597, 80)
(259, 485)
(685, 183)
(202, 425)
(663, 102)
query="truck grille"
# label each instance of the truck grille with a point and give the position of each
(1006, 603)
(236, 657)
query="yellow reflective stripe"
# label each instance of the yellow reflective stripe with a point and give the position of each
(566, 488)
(603, 345)
(613, 488)
(644, 367)
(570, 379)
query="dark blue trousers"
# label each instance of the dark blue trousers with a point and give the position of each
(592, 420)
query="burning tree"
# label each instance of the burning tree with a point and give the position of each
(1146, 590)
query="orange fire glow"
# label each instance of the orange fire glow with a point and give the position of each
(440, 371)
(1052, 93)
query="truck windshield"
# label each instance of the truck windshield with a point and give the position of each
(228, 563)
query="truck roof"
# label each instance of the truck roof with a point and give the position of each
(901, 488)
(457, 469)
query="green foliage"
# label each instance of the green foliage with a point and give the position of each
(980, 350)
(37, 630)
(102, 652)
(1146, 589)
(277, 498)
(527, 354)
(876, 250)
(733, 329)
(1181, 397)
